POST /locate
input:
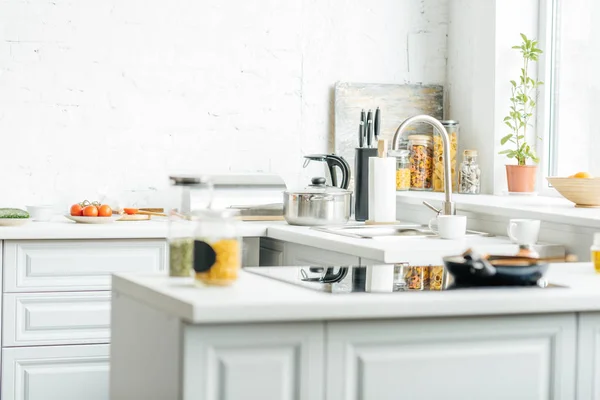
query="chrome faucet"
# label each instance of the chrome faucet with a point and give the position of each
(448, 206)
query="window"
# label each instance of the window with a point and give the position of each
(572, 92)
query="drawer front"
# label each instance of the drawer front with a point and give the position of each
(68, 265)
(33, 319)
(56, 373)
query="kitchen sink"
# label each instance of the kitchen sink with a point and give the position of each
(375, 231)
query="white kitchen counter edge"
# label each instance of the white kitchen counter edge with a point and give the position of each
(258, 299)
(544, 208)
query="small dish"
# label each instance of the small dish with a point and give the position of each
(41, 213)
(14, 221)
(93, 220)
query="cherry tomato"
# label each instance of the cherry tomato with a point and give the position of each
(90, 211)
(76, 210)
(104, 211)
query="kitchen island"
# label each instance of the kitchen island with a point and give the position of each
(56, 282)
(266, 339)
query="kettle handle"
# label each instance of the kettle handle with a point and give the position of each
(338, 161)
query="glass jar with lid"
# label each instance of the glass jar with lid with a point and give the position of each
(189, 194)
(217, 248)
(402, 169)
(470, 174)
(452, 127)
(421, 161)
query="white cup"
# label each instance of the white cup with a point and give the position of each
(449, 226)
(523, 231)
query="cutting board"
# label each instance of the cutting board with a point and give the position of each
(397, 103)
(135, 217)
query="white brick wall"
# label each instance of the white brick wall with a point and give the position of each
(116, 94)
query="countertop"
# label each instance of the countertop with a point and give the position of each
(399, 249)
(62, 228)
(258, 299)
(388, 250)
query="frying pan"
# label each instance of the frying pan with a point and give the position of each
(471, 269)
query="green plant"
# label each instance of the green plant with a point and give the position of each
(523, 103)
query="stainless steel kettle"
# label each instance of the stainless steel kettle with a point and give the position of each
(333, 162)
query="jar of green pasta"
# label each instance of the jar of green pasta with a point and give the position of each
(193, 193)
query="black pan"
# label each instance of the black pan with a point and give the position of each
(471, 270)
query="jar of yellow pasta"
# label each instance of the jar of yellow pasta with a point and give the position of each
(217, 248)
(402, 169)
(438, 156)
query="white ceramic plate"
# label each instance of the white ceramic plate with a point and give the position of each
(14, 221)
(93, 220)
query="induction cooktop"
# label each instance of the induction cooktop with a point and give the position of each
(360, 279)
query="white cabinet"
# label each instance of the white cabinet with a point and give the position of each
(68, 265)
(516, 357)
(33, 319)
(55, 373)
(299, 255)
(270, 362)
(588, 362)
(271, 252)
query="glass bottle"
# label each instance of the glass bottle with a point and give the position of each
(189, 194)
(595, 250)
(402, 169)
(421, 162)
(217, 248)
(470, 174)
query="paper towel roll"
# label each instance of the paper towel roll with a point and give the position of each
(382, 189)
(380, 278)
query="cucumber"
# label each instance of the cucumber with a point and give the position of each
(13, 213)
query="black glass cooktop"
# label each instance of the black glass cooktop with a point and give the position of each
(377, 279)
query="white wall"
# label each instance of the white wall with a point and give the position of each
(114, 95)
(481, 64)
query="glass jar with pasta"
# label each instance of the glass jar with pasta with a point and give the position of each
(217, 248)
(421, 162)
(402, 169)
(452, 127)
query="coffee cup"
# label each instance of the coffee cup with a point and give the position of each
(523, 231)
(449, 226)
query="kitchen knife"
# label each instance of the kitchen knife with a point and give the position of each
(361, 134)
(369, 128)
(363, 127)
(377, 124)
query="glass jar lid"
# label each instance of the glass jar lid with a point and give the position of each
(420, 137)
(449, 122)
(470, 153)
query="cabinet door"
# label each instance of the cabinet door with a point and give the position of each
(299, 255)
(588, 367)
(266, 362)
(34, 319)
(55, 373)
(521, 357)
(271, 252)
(68, 265)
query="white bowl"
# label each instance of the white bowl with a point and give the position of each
(40, 213)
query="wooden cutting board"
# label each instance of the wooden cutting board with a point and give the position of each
(135, 217)
(397, 103)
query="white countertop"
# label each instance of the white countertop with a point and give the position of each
(258, 299)
(62, 228)
(416, 250)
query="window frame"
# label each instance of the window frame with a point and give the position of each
(548, 26)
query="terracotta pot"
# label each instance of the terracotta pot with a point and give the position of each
(521, 178)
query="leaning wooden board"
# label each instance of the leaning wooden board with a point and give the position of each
(397, 103)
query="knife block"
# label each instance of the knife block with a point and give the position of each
(361, 182)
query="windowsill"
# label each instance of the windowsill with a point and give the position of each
(551, 209)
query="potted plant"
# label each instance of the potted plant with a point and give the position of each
(521, 177)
